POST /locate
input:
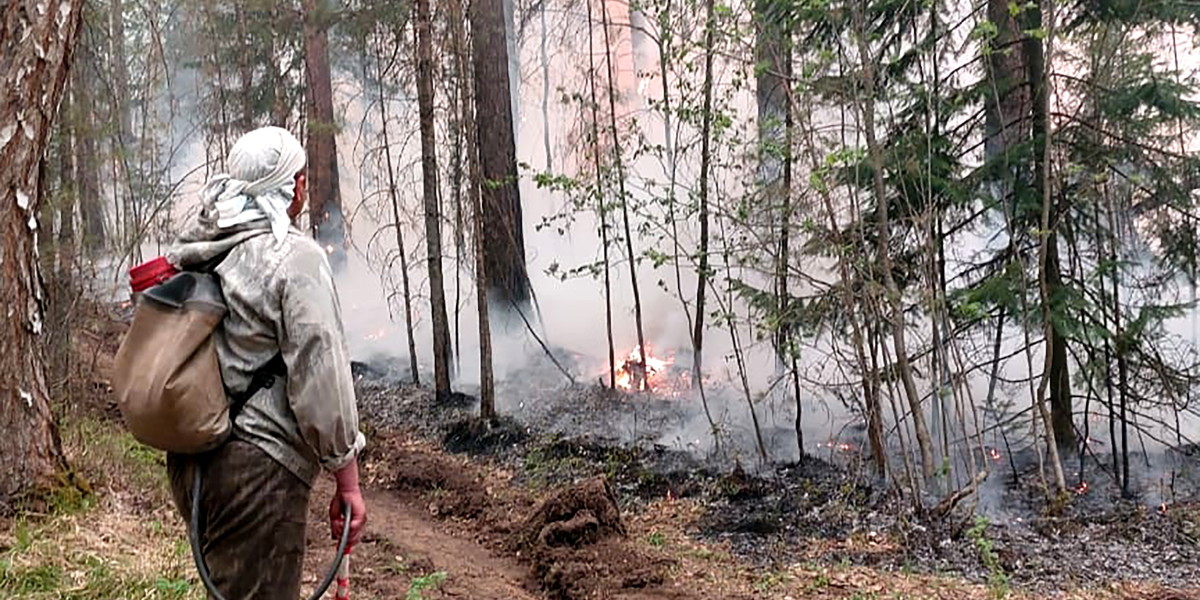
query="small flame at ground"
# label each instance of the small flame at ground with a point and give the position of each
(636, 374)
(993, 454)
(1082, 488)
(835, 445)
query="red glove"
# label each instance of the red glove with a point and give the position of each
(347, 492)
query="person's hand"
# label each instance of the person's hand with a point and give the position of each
(347, 492)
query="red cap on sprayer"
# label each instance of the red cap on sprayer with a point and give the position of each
(150, 274)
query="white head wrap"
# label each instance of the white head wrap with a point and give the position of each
(261, 180)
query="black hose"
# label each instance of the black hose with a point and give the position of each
(202, 567)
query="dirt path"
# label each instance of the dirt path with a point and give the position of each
(404, 543)
(450, 525)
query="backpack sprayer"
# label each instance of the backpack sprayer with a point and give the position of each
(169, 388)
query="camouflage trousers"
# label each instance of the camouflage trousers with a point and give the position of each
(252, 519)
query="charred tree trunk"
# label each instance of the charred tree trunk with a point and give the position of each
(35, 47)
(325, 199)
(508, 281)
(433, 212)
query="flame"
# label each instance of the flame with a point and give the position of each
(993, 454)
(835, 445)
(633, 373)
(1082, 488)
(329, 249)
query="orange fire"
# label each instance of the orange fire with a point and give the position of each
(839, 446)
(1082, 488)
(636, 374)
(994, 454)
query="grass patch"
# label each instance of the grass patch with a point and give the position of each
(118, 537)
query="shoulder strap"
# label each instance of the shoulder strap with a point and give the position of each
(262, 379)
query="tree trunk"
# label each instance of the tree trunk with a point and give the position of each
(487, 386)
(88, 182)
(642, 382)
(601, 210)
(508, 281)
(394, 196)
(122, 195)
(705, 166)
(883, 232)
(35, 47)
(433, 212)
(325, 200)
(773, 69)
(1059, 388)
(1049, 279)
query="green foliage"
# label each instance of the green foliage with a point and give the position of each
(998, 580)
(424, 583)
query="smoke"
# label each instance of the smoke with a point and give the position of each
(570, 315)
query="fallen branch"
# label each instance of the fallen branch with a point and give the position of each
(948, 503)
(545, 348)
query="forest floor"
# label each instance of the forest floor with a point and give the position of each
(501, 513)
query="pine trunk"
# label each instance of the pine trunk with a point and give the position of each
(123, 196)
(91, 209)
(36, 47)
(325, 200)
(508, 282)
(433, 213)
(487, 387)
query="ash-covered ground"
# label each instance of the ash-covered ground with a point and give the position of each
(817, 510)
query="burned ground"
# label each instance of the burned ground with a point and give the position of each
(815, 511)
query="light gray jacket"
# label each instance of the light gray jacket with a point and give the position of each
(281, 299)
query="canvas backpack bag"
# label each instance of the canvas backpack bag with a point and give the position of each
(167, 379)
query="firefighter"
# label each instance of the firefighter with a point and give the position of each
(283, 311)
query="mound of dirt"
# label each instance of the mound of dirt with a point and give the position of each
(452, 491)
(575, 516)
(479, 437)
(574, 540)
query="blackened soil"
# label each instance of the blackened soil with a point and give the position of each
(812, 511)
